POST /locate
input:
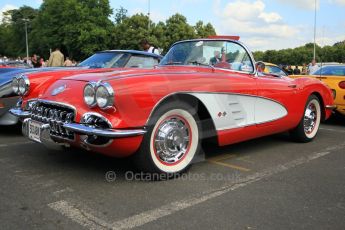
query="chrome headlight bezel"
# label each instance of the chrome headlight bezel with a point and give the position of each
(15, 85)
(105, 95)
(91, 88)
(21, 85)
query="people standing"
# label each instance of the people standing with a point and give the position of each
(145, 44)
(313, 67)
(56, 59)
(289, 70)
(35, 62)
(296, 71)
(304, 69)
(68, 62)
(43, 63)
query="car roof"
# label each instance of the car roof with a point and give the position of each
(338, 65)
(133, 52)
(271, 64)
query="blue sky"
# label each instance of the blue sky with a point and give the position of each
(262, 24)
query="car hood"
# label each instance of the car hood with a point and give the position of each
(7, 77)
(125, 73)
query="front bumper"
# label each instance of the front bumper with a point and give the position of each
(109, 133)
(6, 118)
(52, 142)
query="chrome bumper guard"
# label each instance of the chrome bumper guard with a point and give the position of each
(110, 133)
(20, 113)
(45, 137)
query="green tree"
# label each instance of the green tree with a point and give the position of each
(178, 29)
(130, 31)
(120, 15)
(203, 31)
(13, 29)
(78, 27)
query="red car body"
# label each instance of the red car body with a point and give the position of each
(228, 104)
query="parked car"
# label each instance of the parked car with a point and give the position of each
(4, 69)
(161, 115)
(274, 69)
(15, 64)
(333, 76)
(30, 82)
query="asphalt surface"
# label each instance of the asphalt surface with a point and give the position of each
(267, 183)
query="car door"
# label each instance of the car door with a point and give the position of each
(275, 105)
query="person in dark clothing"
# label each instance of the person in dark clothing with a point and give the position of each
(296, 71)
(289, 70)
(35, 61)
(216, 59)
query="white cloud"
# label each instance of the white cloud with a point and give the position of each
(302, 4)
(270, 17)
(4, 9)
(338, 2)
(257, 27)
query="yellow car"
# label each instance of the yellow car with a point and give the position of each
(271, 68)
(334, 77)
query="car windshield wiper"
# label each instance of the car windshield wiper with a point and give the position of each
(174, 63)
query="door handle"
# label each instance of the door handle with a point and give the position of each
(294, 86)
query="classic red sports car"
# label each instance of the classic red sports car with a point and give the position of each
(202, 88)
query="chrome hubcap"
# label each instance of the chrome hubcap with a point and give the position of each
(310, 118)
(172, 140)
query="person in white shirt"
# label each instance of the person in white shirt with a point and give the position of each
(312, 67)
(145, 44)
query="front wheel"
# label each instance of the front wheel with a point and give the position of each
(310, 122)
(172, 140)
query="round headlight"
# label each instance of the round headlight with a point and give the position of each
(89, 94)
(15, 85)
(104, 96)
(23, 85)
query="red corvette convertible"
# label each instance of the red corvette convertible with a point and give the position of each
(202, 88)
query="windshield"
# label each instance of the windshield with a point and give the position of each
(106, 60)
(219, 54)
(331, 70)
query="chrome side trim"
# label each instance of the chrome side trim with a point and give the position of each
(331, 107)
(110, 133)
(191, 94)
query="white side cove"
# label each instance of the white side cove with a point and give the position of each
(230, 111)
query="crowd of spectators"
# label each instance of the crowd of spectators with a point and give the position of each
(35, 61)
(301, 70)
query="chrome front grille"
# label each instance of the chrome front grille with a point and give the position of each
(55, 115)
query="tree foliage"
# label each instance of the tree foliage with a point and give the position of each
(81, 27)
(303, 54)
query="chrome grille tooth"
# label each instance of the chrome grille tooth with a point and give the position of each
(54, 115)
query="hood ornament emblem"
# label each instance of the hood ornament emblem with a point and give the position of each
(58, 90)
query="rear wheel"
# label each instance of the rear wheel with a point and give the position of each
(310, 122)
(172, 140)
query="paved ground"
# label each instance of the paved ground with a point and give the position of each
(268, 183)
